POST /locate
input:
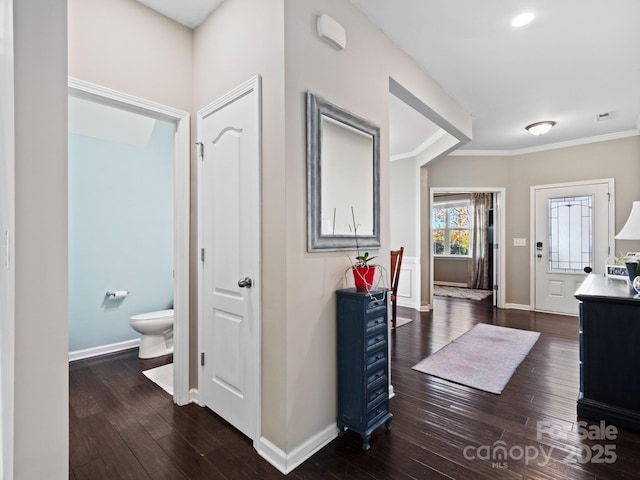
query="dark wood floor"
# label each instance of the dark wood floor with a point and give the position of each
(122, 426)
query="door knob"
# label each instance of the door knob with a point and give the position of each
(245, 282)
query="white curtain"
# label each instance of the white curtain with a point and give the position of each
(479, 265)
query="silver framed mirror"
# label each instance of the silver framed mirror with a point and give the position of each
(343, 178)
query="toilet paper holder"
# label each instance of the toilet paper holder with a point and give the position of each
(117, 293)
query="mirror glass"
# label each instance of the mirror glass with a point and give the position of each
(346, 163)
(343, 178)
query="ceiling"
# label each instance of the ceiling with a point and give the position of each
(576, 60)
(190, 13)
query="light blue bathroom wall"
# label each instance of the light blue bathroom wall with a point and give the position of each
(120, 234)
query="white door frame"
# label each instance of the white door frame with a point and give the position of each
(181, 212)
(253, 84)
(500, 218)
(7, 232)
(532, 233)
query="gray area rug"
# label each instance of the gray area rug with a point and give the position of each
(400, 321)
(460, 292)
(485, 357)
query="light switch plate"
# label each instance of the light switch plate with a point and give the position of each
(519, 242)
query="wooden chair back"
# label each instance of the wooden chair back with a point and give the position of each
(396, 264)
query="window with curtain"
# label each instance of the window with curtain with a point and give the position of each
(452, 223)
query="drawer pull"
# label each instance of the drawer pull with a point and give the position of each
(378, 412)
(378, 357)
(378, 394)
(378, 375)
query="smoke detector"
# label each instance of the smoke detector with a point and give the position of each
(331, 32)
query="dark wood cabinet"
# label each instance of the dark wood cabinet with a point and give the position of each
(609, 351)
(363, 362)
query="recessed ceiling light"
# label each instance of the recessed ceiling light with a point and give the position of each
(522, 19)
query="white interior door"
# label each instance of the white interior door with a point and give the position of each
(572, 232)
(229, 134)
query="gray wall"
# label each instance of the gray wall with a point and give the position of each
(618, 159)
(404, 219)
(41, 362)
(452, 270)
(122, 44)
(243, 38)
(356, 79)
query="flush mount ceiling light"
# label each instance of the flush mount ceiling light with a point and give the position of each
(522, 19)
(540, 128)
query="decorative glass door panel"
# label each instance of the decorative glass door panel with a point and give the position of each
(572, 231)
(570, 234)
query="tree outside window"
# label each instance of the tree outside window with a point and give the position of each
(452, 229)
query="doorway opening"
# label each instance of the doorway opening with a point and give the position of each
(418, 135)
(176, 122)
(452, 240)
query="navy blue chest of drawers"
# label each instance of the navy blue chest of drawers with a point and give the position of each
(609, 356)
(363, 362)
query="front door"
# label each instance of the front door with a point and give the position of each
(229, 134)
(573, 235)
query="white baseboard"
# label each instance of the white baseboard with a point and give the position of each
(407, 304)
(517, 306)
(417, 308)
(104, 349)
(424, 308)
(451, 284)
(193, 396)
(556, 313)
(286, 462)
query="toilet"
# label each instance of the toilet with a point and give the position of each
(156, 330)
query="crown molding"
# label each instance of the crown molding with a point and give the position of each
(401, 156)
(420, 148)
(551, 146)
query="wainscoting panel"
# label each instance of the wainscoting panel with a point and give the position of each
(409, 285)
